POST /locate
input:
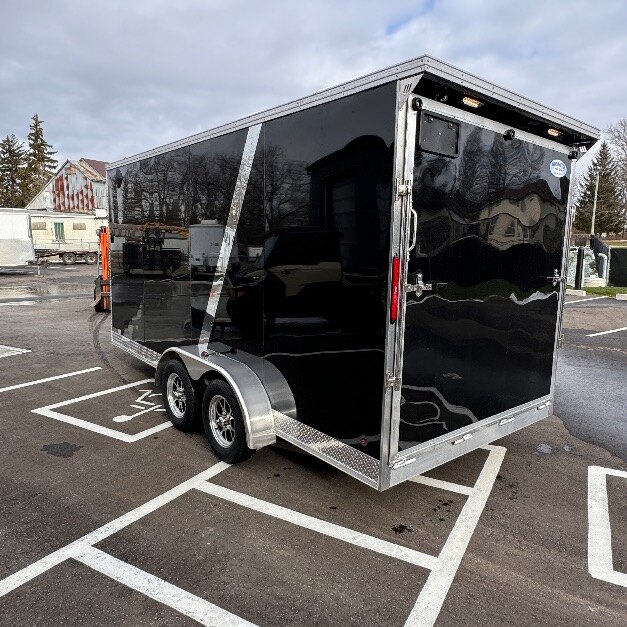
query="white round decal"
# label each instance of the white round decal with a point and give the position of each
(558, 168)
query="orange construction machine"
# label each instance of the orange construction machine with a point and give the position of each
(102, 291)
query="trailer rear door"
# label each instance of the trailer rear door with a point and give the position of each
(482, 306)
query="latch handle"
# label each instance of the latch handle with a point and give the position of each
(555, 278)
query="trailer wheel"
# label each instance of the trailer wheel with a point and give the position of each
(179, 396)
(91, 258)
(68, 258)
(224, 423)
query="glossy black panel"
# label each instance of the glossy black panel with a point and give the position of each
(491, 225)
(238, 323)
(215, 164)
(322, 276)
(149, 256)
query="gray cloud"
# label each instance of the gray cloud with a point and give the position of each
(113, 78)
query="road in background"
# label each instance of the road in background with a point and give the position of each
(591, 388)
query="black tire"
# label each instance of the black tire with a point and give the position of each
(68, 258)
(237, 450)
(91, 258)
(179, 396)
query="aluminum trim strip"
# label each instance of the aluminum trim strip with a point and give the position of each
(342, 456)
(476, 427)
(229, 231)
(419, 65)
(436, 456)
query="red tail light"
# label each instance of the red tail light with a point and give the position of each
(396, 265)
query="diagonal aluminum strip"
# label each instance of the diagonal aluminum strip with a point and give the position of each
(230, 230)
(342, 456)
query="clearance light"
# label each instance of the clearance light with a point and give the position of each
(471, 102)
(396, 267)
(553, 132)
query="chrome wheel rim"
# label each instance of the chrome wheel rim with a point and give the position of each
(221, 421)
(176, 395)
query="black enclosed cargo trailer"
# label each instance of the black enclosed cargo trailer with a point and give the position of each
(397, 299)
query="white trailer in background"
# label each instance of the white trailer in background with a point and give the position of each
(69, 236)
(16, 240)
(205, 241)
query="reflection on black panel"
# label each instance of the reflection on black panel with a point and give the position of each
(491, 224)
(323, 270)
(149, 249)
(306, 276)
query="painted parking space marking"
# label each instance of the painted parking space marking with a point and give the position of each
(9, 351)
(186, 603)
(50, 412)
(607, 332)
(443, 485)
(429, 602)
(600, 561)
(44, 564)
(584, 300)
(426, 609)
(18, 386)
(390, 549)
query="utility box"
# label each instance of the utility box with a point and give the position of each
(402, 304)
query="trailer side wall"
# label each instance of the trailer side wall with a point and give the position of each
(306, 298)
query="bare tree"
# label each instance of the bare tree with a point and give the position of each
(618, 138)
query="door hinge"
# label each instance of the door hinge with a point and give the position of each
(419, 287)
(402, 461)
(393, 382)
(463, 439)
(560, 341)
(403, 188)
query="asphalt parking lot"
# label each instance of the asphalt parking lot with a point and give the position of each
(110, 516)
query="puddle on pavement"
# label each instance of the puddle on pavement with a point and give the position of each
(43, 289)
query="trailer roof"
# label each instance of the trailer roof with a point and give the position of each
(421, 65)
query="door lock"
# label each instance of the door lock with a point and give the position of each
(556, 278)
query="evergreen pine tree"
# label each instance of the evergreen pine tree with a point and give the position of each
(608, 218)
(12, 170)
(41, 162)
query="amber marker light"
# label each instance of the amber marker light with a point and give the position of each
(471, 102)
(553, 132)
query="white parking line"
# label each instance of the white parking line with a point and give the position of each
(44, 564)
(424, 613)
(606, 332)
(429, 603)
(600, 561)
(9, 351)
(186, 603)
(49, 412)
(322, 526)
(584, 300)
(59, 376)
(443, 485)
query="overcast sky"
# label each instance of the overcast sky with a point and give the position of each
(114, 78)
